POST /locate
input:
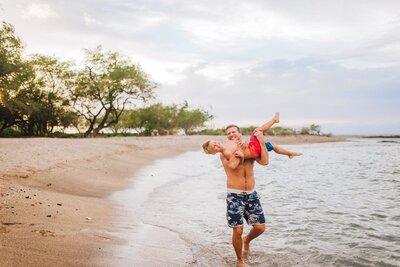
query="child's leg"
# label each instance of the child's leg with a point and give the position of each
(282, 151)
(268, 124)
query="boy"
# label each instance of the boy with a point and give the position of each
(231, 148)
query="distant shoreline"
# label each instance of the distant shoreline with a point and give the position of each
(381, 136)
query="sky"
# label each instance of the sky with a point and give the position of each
(332, 63)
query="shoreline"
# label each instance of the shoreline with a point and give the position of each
(54, 193)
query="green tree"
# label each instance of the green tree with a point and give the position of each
(129, 120)
(278, 130)
(10, 50)
(126, 122)
(158, 119)
(31, 95)
(10, 64)
(315, 129)
(20, 96)
(52, 109)
(107, 84)
(189, 120)
(305, 131)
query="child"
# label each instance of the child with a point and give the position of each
(253, 150)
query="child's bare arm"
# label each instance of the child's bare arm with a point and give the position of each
(232, 162)
(236, 159)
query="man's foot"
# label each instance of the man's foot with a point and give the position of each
(294, 154)
(276, 117)
(246, 246)
(240, 263)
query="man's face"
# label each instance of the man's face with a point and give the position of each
(214, 147)
(233, 134)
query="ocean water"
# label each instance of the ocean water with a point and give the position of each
(337, 205)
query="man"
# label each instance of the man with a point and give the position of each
(243, 202)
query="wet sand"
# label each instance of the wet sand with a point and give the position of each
(54, 197)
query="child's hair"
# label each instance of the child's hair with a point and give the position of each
(205, 147)
(232, 125)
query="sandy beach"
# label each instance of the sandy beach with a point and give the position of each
(54, 209)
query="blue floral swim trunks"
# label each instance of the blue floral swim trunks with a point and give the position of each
(244, 205)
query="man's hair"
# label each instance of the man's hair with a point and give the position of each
(232, 125)
(205, 147)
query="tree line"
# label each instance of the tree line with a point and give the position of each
(162, 120)
(313, 129)
(41, 95)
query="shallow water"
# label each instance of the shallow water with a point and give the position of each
(337, 205)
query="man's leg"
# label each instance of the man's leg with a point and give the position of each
(255, 231)
(234, 216)
(237, 242)
(254, 215)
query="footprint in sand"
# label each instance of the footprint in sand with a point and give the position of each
(10, 223)
(47, 233)
(4, 230)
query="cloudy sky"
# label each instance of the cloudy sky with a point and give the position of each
(333, 63)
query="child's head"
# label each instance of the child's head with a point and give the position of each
(212, 147)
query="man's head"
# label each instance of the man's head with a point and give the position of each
(212, 147)
(233, 132)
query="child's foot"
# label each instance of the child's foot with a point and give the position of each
(294, 154)
(276, 117)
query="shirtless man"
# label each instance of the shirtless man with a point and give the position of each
(243, 202)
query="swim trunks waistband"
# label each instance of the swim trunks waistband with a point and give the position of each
(238, 191)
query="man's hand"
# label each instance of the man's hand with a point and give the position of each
(239, 154)
(258, 129)
(263, 160)
(241, 146)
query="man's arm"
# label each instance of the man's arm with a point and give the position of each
(264, 158)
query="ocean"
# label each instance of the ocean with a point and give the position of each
(337, 205)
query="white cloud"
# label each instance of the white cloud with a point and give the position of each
(228, 22)
(39, 11)
(90, 20)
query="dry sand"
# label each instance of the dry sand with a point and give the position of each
(54, 209)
